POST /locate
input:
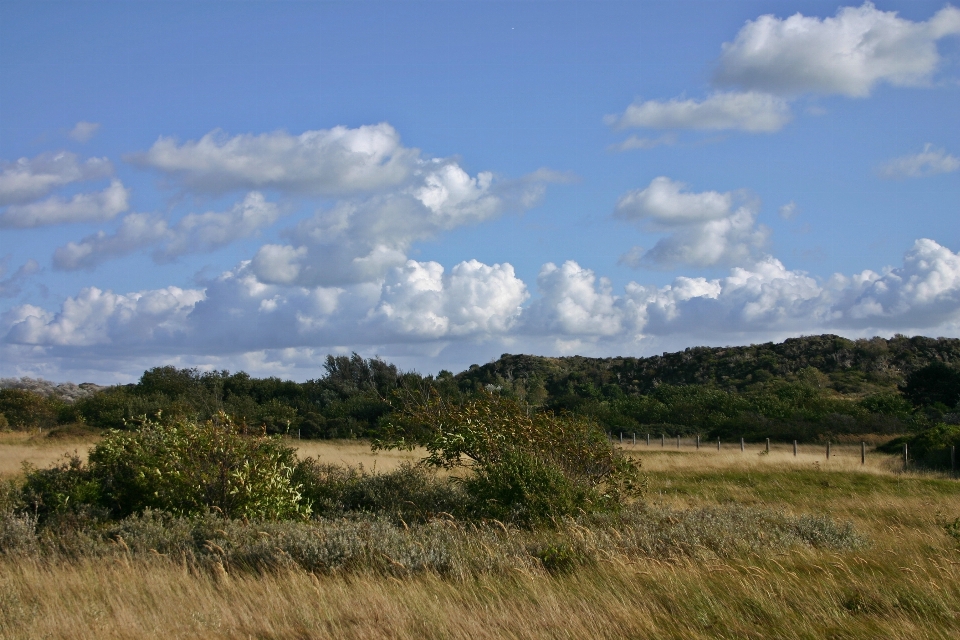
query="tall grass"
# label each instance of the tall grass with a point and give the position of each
(732, 546)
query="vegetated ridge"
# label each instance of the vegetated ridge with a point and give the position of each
(806, 388)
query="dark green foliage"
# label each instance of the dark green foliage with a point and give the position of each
(66, 492)
(526, 466)
(560, 557)
(805, 389)
(937, 383)
(184, 468)
(25, 409)
(929, 448)
(409, 494)
(953, 529)
(523, 489)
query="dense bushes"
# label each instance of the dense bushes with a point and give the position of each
(929, 448)
(526, 466)
(803, 389)
(186, 468)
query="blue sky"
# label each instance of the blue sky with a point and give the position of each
(253, 185)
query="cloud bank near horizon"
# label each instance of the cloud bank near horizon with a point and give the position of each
(422, 307)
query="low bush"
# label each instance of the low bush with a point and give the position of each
(367, 543)
(929, 448)
(527, 467)
(185, 468)
(408, 494)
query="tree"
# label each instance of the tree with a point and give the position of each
(526, 466)
(934, 383)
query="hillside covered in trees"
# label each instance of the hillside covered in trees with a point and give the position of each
(804, 388)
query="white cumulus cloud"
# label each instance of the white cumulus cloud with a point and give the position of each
(422, 307)
(325, 162)
(848, 54)
(751, 111)
(96, 317)
(704, 228)
(475, 299)
(83, 207)
(929, 162)
(28, 179)
(194, 233)
(359, 239)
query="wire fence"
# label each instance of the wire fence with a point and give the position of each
(662, 441)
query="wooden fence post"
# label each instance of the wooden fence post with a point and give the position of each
(634, 439)
(794, 448)
(663, 440)
(953, 460)
(768, 445)
(648, 439)
(621, 438)
(741, 445)
(718, 444)
(906, 457)
(863, 452)
(698, 442)
(828, 450)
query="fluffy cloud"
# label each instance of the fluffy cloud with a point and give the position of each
(325, 162)
(746, 111)
(194, 233)
(359, 240)
(764, 299)
(236, 312)
(83, 207)
(772, 61)
(96, 317)
(136, 231)
(929, 162)
(28, 179)
(237, 316)
(10, 287)
(848, 54)
(704, 228)
(573, 302)
(474, 300)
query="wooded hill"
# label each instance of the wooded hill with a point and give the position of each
(803, 388)
(851, 366)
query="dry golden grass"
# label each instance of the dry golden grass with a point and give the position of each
(17, 447)
(845, 457)
(905, 584)
(353, 453)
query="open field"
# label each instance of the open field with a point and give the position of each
(17, 447)
(902, 582)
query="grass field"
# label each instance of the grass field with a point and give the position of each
(903, 581)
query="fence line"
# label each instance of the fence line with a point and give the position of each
(695, 440)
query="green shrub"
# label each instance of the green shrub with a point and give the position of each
(67, 491)
(408, 494)
(929, 448)
(528, 467)
(27, 410)
(186, 468)
(189, 467)
(523, 489)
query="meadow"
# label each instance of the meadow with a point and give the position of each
(725, 544)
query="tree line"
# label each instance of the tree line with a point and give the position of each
(804, 388)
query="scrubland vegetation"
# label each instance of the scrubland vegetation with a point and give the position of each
(490, 504)
(721, 545)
